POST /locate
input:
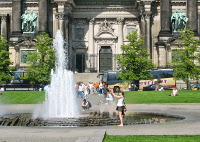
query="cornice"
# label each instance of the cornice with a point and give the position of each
(105, 3)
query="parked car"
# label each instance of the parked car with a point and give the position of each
(195, 87)
(153, 88)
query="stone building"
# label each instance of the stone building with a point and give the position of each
(95, 29)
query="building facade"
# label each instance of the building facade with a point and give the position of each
(94, 30)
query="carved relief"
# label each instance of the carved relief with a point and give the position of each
(120, 20)
(106, 41)
(105, 30)
(106, 26)
(61, 16)
(80, 46)
(4, 18)
(91, 22)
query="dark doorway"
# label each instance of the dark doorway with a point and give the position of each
(105, 59)
(80, 62)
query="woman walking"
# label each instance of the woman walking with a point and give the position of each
(120, 105)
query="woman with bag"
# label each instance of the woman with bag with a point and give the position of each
(120, 106)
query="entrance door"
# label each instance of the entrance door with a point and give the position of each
(105, 59)
(80, 62)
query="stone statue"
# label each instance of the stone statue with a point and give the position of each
(178, 20)
(33, 21)
(175, 21)
(183, 19)
(29, 22)
(25, 18)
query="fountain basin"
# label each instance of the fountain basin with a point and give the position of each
(92, 119)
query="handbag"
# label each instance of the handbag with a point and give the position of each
(124, 107)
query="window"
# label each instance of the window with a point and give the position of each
(79, 33)
(24, 55)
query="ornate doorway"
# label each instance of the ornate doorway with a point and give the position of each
(105, 58)
(80, 63)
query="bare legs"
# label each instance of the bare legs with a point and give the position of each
(120, 117)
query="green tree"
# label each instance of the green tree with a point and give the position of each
(186, 58)
(5, 75)
(42, 61)
(134, 61)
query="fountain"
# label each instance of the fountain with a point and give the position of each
(61, 108)
(60, 97)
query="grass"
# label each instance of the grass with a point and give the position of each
(150, 97)
(22, 97)
(133, 97)
(144, 138)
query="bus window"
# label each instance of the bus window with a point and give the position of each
(113, 76)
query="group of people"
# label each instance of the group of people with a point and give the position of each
(83, 90)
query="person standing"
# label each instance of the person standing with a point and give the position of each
(120, 105)
(80, 90)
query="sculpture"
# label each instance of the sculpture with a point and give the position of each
(24, 18)
(29, 22)
(183, 19)
(178, 20)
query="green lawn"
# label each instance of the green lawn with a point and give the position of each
(22, 97)
(148, 97)
(144, 138)
(133, 97)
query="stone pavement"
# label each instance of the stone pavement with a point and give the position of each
(189, 126)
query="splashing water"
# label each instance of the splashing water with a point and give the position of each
(60, 97)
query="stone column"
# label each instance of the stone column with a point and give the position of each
(16, 17)
(120, 34)
(165, 17)
(192, 14)
(43, 22)
(60, 18)
(162, 56)
(4, 26)
(17, 63)
(148, 32)
(91, 36)
(143, 33)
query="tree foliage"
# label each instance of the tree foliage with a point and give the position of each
(134, 61)
(42, 61)
(4, 61)
(186, 57)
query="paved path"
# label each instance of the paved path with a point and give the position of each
(189, 126)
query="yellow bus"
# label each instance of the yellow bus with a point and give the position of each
(163, 77)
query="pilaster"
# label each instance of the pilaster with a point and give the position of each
(61, 17)
(17, 62)
(91, 36)
(120, 34)
(16, 17)
(165, 18)
(162, 56)
(43, 20)
(4, 26)
(192, 14)
(148, 32)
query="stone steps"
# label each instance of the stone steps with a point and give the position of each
(86, 77)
